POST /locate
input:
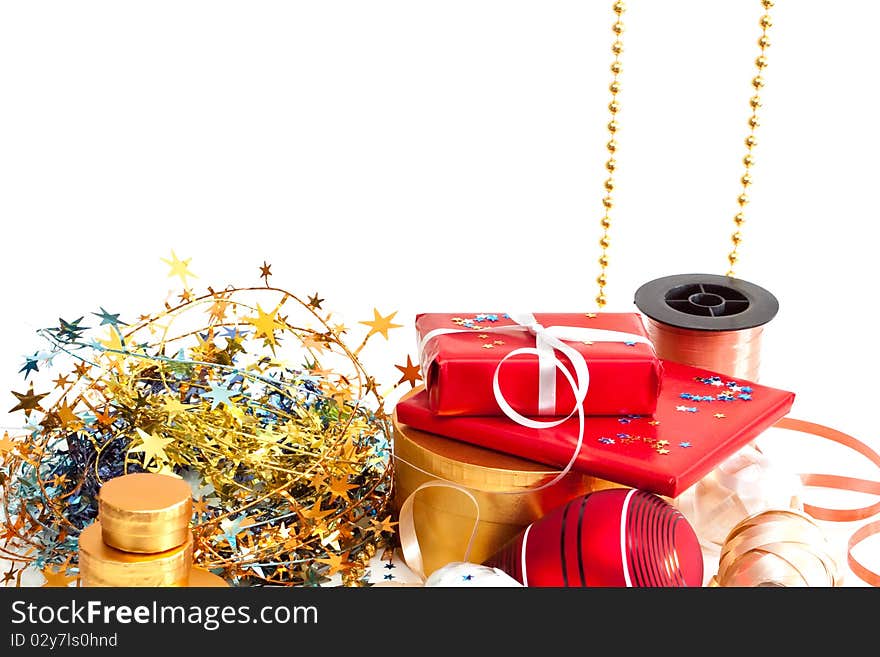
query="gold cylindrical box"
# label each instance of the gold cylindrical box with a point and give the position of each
(145, 512)
(201, 578)
(103, 565)
(444, 517)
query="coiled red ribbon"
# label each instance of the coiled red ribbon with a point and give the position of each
(843, 483)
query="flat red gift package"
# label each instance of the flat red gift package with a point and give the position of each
(701, 419)
(462, 355)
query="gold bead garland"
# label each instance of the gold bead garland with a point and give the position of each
(611, 163)
(750, 141)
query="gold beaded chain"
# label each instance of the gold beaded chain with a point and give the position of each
(754, 102)
(611, 164)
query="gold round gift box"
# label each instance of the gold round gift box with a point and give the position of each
(201, 578)
(103, 565)
(145, 512)
(444, 517)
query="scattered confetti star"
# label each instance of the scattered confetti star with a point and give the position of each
(179, 268)
(71, 331)
(653, 423)
(56, 577)
(6, 443)
(684, 444)
(265, 272)
(389, 576)
(28, 401)
(315, 302)
(381, 324)
(483, 336)
(663, 451)
(410, 372)
(606, 441)
(498, 342)
(152, 446)
(720, 416)
(30, 365)
(385, 525)
(220, 395)
(488, 346)
(335, 561)
(9, 575)
(467, 578)
(266, 324)
(61, 381)
(590, 315)
(390, 565)
(109, 318)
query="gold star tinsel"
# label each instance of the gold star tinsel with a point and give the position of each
(248, 393)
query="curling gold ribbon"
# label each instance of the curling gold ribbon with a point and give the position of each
(776, 548)
(843, 483)
(406, 527)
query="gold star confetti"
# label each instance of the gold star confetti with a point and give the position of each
(265, 272)
(336, 562)
(266, 324)
(152, 446)
(179, 268)
(28, 401)
(663, 451)
(720, 416)
(380, 324)
(411, 373)
(57, 576)
(61, 381)
(590, 315)
(315, 302)
(488, 345)
(653, 423)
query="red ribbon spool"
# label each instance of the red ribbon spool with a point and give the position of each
(616, 537)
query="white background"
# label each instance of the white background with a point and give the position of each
(446, 156)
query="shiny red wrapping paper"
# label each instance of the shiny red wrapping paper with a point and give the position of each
(458, 368)
(701, 419)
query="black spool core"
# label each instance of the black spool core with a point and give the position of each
(706, 302)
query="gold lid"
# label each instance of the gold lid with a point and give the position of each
(103, 565)
(145, 512)
(201, 578)
(500, 483)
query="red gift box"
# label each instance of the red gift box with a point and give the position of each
(461, 354)
(701, 419)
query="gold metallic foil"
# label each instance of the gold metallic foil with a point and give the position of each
(102, 565)
(201, 578)
(145, 512)
(444, 517)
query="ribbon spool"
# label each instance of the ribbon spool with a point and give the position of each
(777, 548)
(614, 537)
(707, 321)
